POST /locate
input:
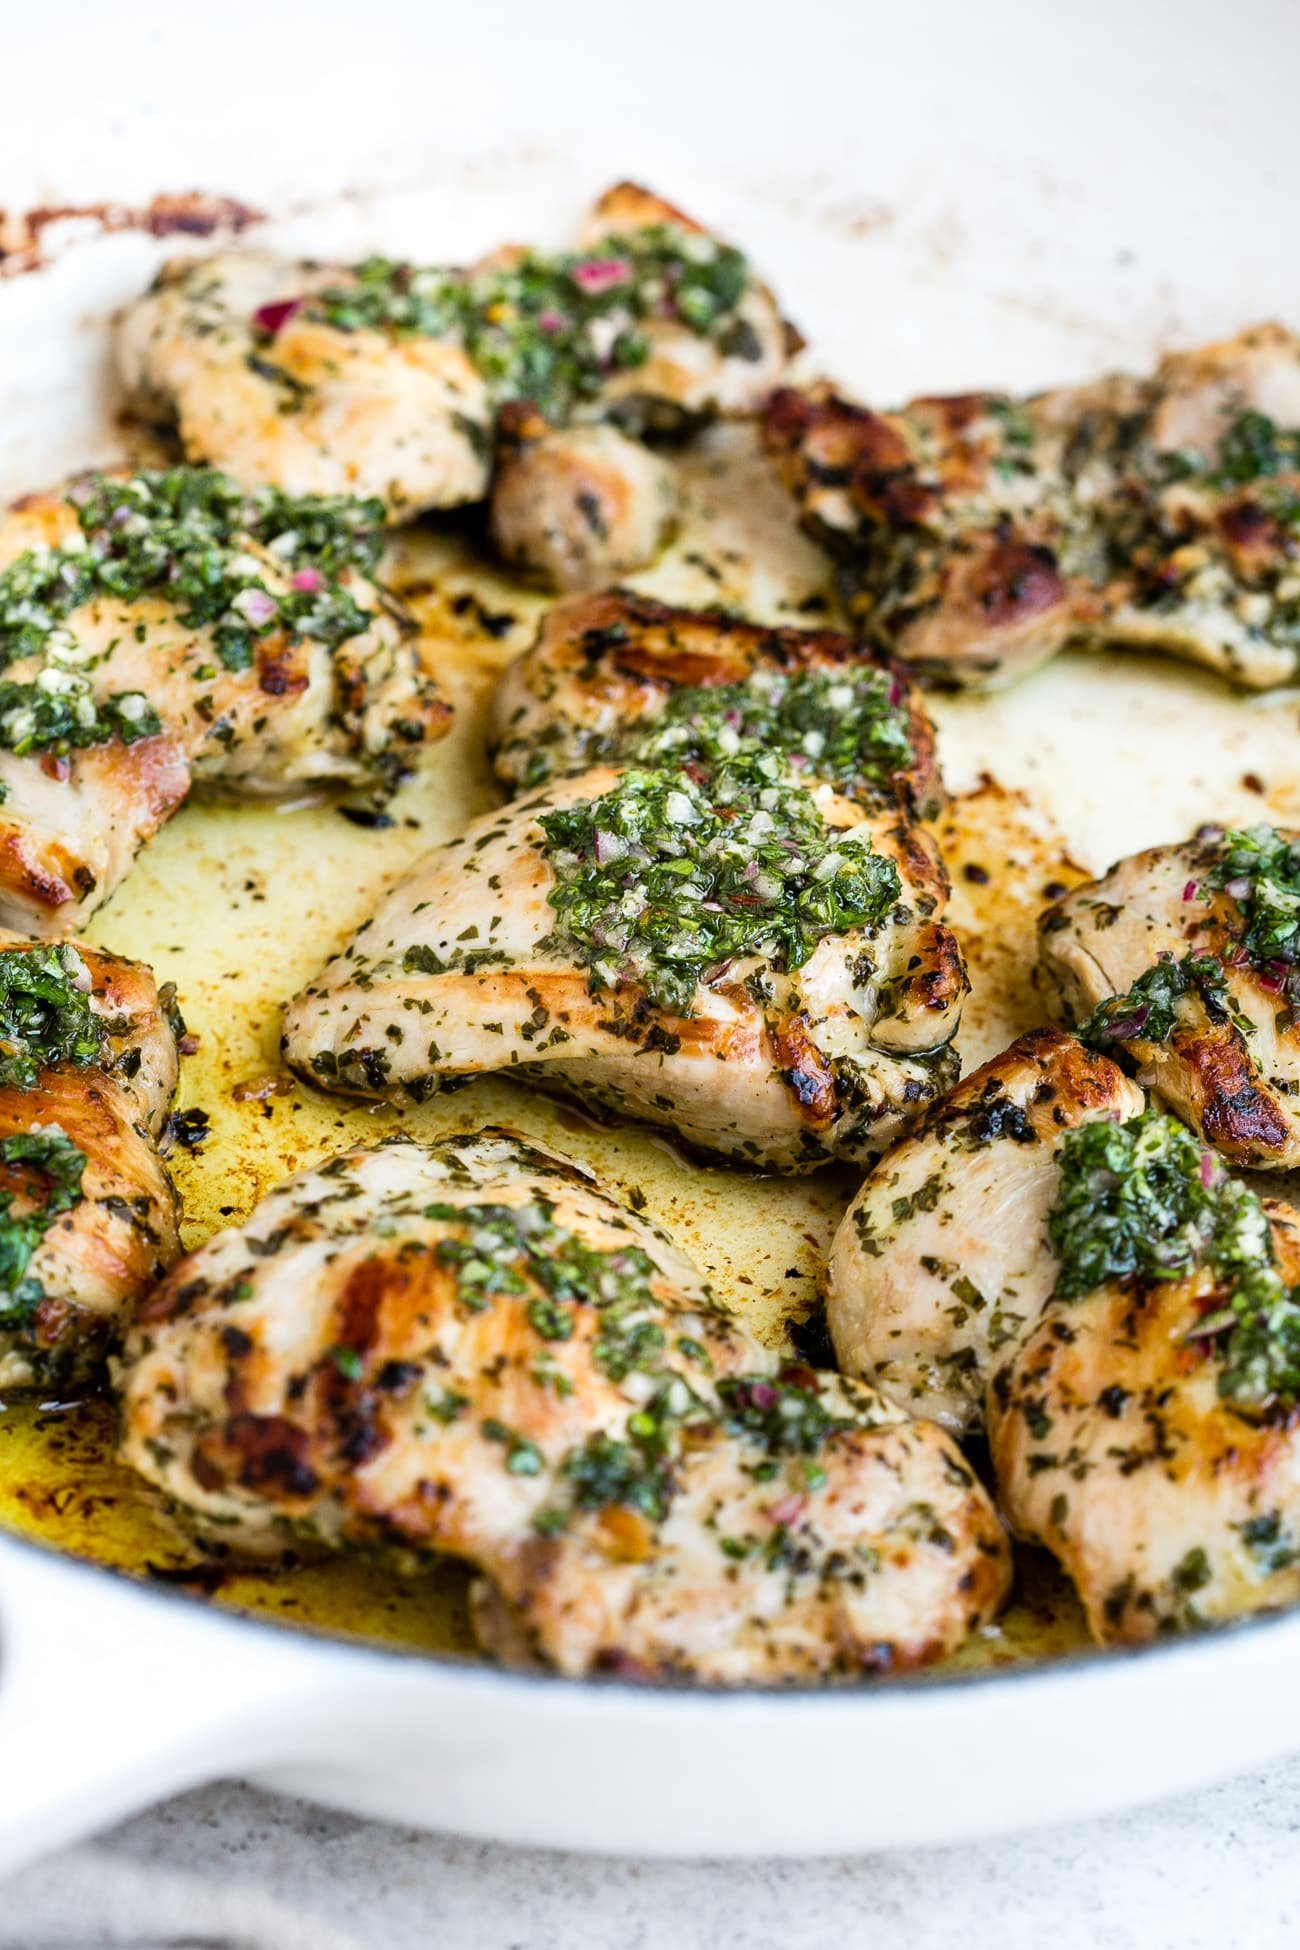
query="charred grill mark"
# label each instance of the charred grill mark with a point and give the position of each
(805, 1071)
(266, 1454)
(1235, 1112)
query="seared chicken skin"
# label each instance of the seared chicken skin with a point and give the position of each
(716, 934)
(386, 379)
(1050, 1260)
(604, 670)
(87, 1213)
(162, 630)
(1187, 959)
(980, 534)
(472, 1348)
(578, 507)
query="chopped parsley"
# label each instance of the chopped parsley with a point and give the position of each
(50, 1168)
(514, 1249)
(784, 1412)
(45, 1014)
(604, 1471)
(1146, 1200)
(1253, 448)
(181, 535)
(667, 878)
(1151, 1009)
(552, 328)
(1260, 869)
(848, 728)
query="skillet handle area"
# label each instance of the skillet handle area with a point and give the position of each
(112, 1696)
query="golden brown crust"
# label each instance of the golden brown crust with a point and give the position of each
(604, 661)
(980, 533)
(1229, 1067)
(325, 1376)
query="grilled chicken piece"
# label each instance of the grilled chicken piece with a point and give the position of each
(1050, 1259)
(228, 349)
(689, 376)
(87, 1213)
(577, 507)
(159, 631)
(383, 379)
(472, 1348)
(1114, 1448)
(943, 1257)
(980, 534)
(569, 939)
(1204, 985)
(607, 666)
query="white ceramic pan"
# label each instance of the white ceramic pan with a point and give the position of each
(944, 196)
(112, 1696)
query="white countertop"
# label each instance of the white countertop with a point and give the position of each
(1219, 1868)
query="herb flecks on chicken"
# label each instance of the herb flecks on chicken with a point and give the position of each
(621, 676)
(88, 1060)
(978, 535)
(714, 911)
(165, 628)
(502, 1362)
(669, 877)
(551, 329)
(1186, 961)
(847, 727)
(1152, 1007)
(1260, 869)
(45, 1014)
(1088, 1283)
(516, 381)
(1146, 1201)
(50, 1171)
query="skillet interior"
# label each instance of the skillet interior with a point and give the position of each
(238, 905)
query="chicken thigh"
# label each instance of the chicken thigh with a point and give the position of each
(943, 1258)
(577, 507)
(1187, 959)
(607, 670)
(160, 630)
(386, 378)
(1075, 1272)
(979, 534)
(714, 942)
(87, 1214)
(470, 1347)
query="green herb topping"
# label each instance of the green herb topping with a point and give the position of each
(551, 329)
(1260, 869)
(848, 728)
(1152, 1009)
(52, 1166)
(1146, 1200)
(515, 1249)
(1253, 448)
(784, 1412)
(45, 1014)
(181, 536)
(668, 878)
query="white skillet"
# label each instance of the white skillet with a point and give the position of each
(113, 1694)
(1005, 194)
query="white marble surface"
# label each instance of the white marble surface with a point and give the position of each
(1214, 1869)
